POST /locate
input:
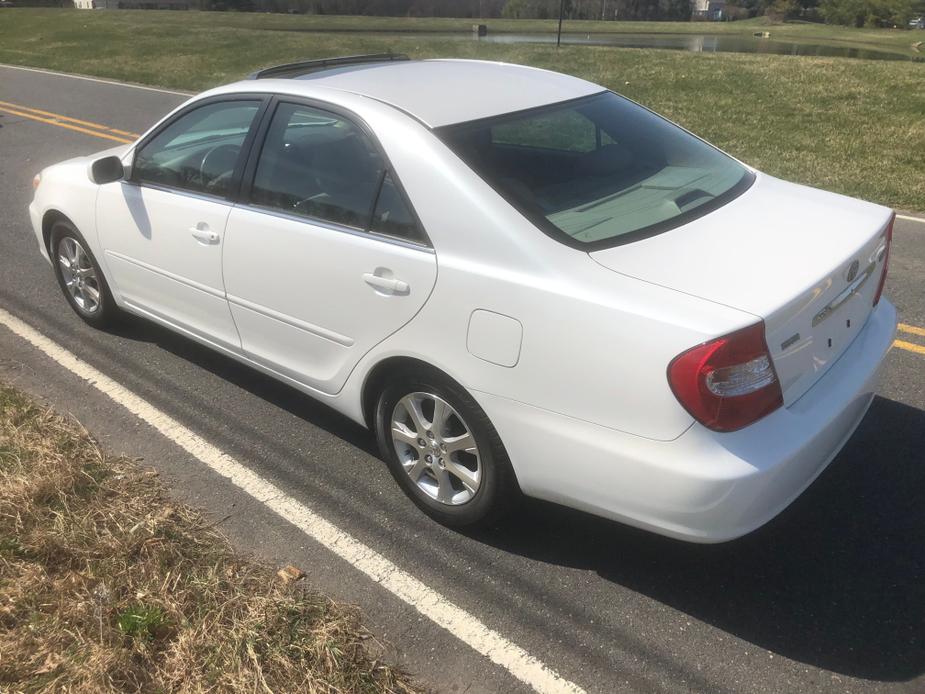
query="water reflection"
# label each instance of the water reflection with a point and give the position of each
(703, 43)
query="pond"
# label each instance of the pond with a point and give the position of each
(704, 43)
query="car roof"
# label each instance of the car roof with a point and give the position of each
(442, 92)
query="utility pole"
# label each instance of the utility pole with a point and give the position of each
(559, 33)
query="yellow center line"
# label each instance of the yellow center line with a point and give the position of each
(909, 346)
(58, 116)
(55, 121)
(912, 329)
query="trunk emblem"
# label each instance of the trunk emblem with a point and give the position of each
(852, 271)
(854, 286)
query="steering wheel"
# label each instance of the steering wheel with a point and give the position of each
(218, 164)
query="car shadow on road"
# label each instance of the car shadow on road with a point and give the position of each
(837, 581)
(279, 394)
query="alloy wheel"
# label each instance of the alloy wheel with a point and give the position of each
(80, 278)
(436, 448)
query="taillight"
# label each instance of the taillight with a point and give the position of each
(886, 259)
(729, 382)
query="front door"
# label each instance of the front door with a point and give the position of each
(326, 258)
(163, 230)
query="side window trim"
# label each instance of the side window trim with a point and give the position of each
(249, 172)
(375, 201)
(246, 147)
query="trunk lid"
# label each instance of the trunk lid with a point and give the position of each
(806, 261)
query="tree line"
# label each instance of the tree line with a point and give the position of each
(847, 12)
(488, 9)
(856, 13)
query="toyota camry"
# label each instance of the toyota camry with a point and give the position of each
(522, 282)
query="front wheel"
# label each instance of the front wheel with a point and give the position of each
(80, 277)
(444, 452)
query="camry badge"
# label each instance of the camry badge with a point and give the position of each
(852, 271)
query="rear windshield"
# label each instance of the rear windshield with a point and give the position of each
(598, 171)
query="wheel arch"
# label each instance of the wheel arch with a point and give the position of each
(48, 221)
(383, 372)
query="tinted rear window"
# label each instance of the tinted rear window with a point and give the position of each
(598, 171)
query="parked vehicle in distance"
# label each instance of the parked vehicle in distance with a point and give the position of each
(519, 280)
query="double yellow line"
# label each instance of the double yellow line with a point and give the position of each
(910, 346)
(75, 124)
(97, 130)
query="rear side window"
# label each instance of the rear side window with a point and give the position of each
(198, 152)
(318, 165)
(598, 171)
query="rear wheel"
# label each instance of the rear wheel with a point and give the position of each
(444, 452)
(80, 277)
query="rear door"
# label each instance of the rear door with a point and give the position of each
(324, 257)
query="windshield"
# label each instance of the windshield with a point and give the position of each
(598, 171)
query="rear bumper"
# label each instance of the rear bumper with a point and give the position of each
(702, 486)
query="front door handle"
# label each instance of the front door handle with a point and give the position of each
(386, 285)
(201, 232)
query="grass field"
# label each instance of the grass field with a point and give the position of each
(899, 40)
(106, 585)
(852, 126)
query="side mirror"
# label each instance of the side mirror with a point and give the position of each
(106, 170)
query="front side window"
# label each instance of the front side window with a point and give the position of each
(598, 171)
(316, 164)
(198, 151)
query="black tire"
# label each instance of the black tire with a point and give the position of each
(497, 493)
(105, 313)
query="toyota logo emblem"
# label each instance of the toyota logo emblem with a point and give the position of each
(852, 271)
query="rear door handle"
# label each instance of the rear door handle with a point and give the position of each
(387, 285)
(201, 232)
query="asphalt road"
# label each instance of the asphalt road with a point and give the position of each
(830, 596)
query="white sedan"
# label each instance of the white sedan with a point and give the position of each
(521, 281)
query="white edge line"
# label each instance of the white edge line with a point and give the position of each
(406, 587)
(908, 218)
(94, 79)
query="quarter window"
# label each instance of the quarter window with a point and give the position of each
(199, 150)
(316, 164)
(392, 216)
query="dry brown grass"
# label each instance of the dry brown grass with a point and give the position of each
(105, 585)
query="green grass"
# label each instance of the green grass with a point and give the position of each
(885, 38)
(146, 622)
(852, 126)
